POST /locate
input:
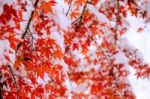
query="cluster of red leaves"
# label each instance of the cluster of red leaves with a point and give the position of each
(9, 12)
(39, 56)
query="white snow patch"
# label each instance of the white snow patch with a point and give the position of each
(60, 17)
(101, 17)
(59, 39)
(120, 58)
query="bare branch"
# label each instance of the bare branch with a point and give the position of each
(81, 16)
(69, 7)
(28, 24)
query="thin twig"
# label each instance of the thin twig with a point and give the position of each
(28, 24)
(69, 7)
(76, 20)
(82, 13)
(81, 16)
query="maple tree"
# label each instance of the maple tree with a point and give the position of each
(85, 56)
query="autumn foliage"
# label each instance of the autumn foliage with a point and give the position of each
(83, 55)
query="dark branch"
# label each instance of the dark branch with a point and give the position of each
(69, 7)
(81, 16)
(82, 13)
(28, 24)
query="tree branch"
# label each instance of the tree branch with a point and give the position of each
(28, 24)
(69, 7)
(82, 13)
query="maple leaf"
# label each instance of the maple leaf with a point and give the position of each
(94, 30)
(134, 12)
(8, 12)
(3, 19)
(75, 46)
(80, 2)
(51, 42)
(68, 1)
(58, 54)
(32, 78)
(13, 41)
(7, 58)
(99, 53)
(94, 2)
(144, 14)
(62, 91)
(10, 96)
(36, 15)
(74, 14)
(40, 72)
(95, 89)
(17, 63)
(140, 29)
(69, 60)
(47, 6)
(84, 50)
(38, 55)
(122, 32)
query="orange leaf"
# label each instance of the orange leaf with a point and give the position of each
(80, 2)
(95, 89)
(74, 14)
(68, 1)
(84, 50)
(17, 63)
(47, 6)
(58, 54)
(13, 41)
(51, 42)
(40, 72)
(36, 15)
